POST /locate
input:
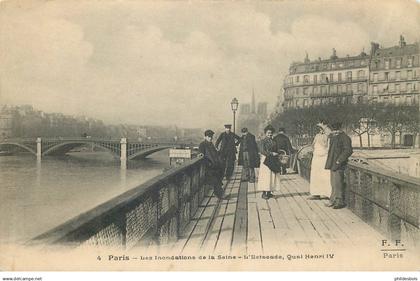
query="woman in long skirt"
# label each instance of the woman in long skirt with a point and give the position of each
(267, 179)
(320, 185)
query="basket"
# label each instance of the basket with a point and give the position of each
(284, 158)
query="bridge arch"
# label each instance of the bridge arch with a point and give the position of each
(146, 152)
(25, 147)
(65, 147)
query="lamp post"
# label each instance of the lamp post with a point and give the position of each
(234, 105)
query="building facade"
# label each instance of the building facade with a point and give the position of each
(385, 75)
(395, 73)
(6, 122)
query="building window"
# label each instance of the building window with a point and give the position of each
(348, 89)
(339, 89)
(323, 90)
(361, 74)
(306, 79)
(348, 75)
(315, 78)
(398, 75)
(305, 91)
(397, 100)
(409, 74)
(339, 76)
(409, 87)
(360, 87)
(375, 89)
(375, 100)
(297, 91)
(387, 63)
(331, 77)
(333, 89)
(385, 98)
(375, 77)
(410, 61)
(398, 63)
(386, 76)
(397, 88)
(305, 102)
(324, 77)
(408, 100)
(297, 79)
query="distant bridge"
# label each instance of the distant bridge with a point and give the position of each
(121, 148)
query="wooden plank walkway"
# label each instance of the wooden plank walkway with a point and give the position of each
(246, 223)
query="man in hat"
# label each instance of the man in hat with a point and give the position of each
(283, 143)
(214, 172)
(248, 155)
(226, 144)
(338, 154)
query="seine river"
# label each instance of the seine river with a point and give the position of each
(37, 196)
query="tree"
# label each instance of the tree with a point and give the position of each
(391, 118)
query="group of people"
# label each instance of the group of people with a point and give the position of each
(220, 158)
(331, 150)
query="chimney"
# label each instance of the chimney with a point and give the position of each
(373, 48)
(402, 41)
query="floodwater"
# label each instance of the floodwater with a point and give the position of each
(36, 196)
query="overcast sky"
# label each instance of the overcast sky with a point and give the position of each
(177, 62)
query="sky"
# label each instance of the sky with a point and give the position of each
(177, 63)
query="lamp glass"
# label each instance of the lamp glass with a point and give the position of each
(234, 104)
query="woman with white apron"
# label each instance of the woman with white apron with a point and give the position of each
(320, 185)
(267, 179)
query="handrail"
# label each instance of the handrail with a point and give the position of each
(116, 211)
(389, 175)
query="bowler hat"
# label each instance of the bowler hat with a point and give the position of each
(228, 126)
(244, 130)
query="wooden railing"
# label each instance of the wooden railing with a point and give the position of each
(155, 212)
(387, 201)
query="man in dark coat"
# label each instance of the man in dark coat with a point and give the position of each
(283, 143)
(226, 144)
(214, 165)
(248, 155)
(338, 154)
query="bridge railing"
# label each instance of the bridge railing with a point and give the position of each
(388, 201)
(155, 212)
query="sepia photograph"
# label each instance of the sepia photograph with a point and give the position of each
(210, 136)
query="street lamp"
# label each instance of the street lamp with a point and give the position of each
(234, 105)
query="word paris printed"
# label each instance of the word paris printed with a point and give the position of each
(209, 136)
